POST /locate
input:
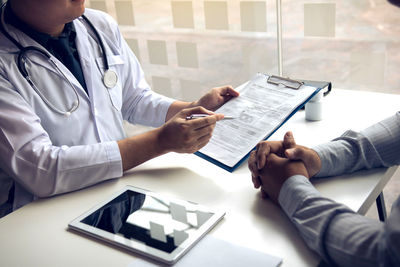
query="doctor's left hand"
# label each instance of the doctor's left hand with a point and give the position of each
(216, 97)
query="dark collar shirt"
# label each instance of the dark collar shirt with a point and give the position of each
(63, 47)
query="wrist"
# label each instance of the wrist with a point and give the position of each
(176, 107)
(161, 144)
(146, 144)
(293, 193)
(193, 104)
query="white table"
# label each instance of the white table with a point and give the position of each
(37, 235)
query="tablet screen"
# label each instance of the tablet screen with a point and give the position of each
(148, 220)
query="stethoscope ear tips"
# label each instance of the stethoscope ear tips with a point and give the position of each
(67, 114)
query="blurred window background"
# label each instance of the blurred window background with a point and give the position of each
(188, 47)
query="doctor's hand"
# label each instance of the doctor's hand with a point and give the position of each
(187, 136)
(216, 97)
(276, 171)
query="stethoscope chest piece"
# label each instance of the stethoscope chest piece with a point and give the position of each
(110, 78)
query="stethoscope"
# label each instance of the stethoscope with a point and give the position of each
(110, 77)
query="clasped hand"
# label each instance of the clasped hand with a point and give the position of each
(273, 162)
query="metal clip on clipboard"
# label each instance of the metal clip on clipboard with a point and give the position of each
(289, 83)
(296, 84)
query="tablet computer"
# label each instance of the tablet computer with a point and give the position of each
(148, 223)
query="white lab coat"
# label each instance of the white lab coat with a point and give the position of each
(46, 153)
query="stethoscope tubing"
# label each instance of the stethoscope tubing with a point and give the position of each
(103, 50)
(22, 56)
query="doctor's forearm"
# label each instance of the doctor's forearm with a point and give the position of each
(175, 107)
(138, 149)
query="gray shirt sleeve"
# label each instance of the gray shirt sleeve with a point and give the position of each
(336, 232)
(376, 146)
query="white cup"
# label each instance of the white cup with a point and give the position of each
(314, 110)
(317, 97)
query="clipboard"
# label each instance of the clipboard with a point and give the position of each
(284, 84)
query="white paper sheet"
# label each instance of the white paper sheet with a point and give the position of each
(211, 251)
(258, 111)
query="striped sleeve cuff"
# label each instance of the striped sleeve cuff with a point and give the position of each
(114, 159)
(294, 191)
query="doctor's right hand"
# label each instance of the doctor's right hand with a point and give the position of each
(187, 136)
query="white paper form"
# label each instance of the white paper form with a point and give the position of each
(258, 111)
(212, 251)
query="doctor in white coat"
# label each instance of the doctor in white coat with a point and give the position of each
(61, 126)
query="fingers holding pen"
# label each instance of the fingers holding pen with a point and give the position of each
(192, 139)
(184, 135)
(203, 126)
(204, 122)
(200, 117)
